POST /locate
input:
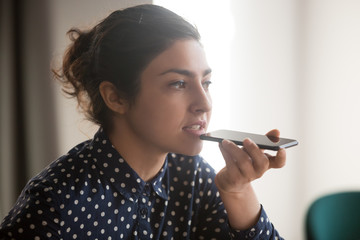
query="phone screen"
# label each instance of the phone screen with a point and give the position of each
(263, 141)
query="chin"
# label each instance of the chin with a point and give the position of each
(191, 150)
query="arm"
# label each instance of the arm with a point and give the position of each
(243, 165)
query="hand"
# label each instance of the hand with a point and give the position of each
(243, 165)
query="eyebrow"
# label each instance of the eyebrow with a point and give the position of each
(185, 72)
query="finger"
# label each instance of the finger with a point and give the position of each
(239, 157)
(260, 160)
(279, 160)
(227, 157)
(273, 133)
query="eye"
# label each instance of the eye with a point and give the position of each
(178, 84)
(206, 84)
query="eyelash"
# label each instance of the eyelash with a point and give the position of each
(206, 84)
(181, 84)
(178, 84)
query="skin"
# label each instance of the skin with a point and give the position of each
(171, 110)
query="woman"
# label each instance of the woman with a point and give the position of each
(142, 76)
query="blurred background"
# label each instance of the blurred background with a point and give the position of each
(287, 64)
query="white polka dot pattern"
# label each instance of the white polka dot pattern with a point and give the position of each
(92, 193)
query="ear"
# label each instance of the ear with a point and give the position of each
(112, 98)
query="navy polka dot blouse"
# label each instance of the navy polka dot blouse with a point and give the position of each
(92, 193)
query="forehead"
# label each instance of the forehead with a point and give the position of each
(182, 54)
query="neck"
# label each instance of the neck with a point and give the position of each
(144, 160)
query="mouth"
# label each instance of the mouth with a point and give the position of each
(196, 129)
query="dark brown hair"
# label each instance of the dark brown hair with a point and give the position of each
(117, 50)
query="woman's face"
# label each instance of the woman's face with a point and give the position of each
(173, 106)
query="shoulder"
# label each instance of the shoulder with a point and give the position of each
(56, 179)
(63, 165)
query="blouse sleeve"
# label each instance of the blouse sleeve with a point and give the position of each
(263, 229)
(35, 215)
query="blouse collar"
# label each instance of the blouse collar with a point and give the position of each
(116, 170)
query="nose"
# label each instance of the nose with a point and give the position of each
(201, 100)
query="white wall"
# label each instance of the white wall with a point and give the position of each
(330, 99)
(264, 96)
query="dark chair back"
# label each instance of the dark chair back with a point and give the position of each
(334, 217)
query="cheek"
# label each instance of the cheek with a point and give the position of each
(169, 115)
(161, 112)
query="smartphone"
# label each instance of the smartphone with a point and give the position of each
(263, 141)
